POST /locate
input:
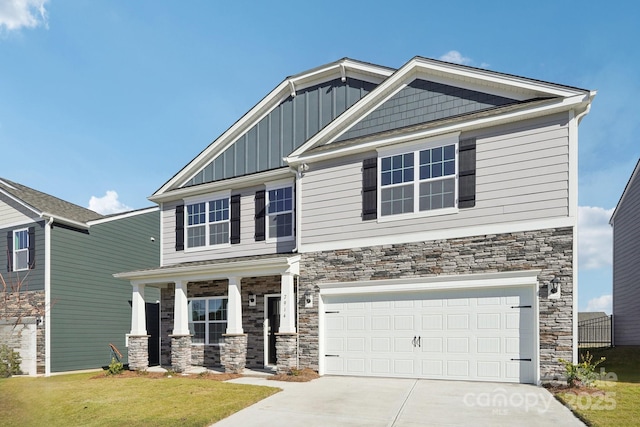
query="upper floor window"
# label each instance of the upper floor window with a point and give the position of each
(21, 249)
(418, 181)
(207, 319)
(280, 212)
(207, 223)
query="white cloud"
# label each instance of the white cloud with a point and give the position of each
(107, 204)
(17, 14)
(456, 57)
(594, 237)
(601, 303)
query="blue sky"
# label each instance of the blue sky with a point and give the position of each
(111, 98)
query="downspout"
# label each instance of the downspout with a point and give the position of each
(47, 297)
(299, 174)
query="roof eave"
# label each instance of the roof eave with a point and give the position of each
(633, 176)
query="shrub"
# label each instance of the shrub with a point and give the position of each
(583, 373)
(115, 367)
(9, 362)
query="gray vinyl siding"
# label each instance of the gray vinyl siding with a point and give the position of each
(32, 280)
(284, 129)
(423, 101)
(12, 213)
(247, 246)
(90, 308)
(626, 268)
(521, 171)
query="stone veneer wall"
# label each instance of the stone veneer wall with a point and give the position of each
(27, 304)
(550, 250)
(252, 319)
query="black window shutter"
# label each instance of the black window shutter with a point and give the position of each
(235, 219)
(32, 247)
(467, 173)
(9, 250)
(260, 216)
(180, 228)
(370, 189)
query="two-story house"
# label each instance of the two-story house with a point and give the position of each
(364, 220)
(60, 306)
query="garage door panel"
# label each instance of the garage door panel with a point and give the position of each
(463, 334)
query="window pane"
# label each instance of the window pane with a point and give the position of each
(386, 163)
(281, 225)
(280, 200)
(196, 236)
(400, 169)
(437, 162)
(198, 309)
(215, 332)
(449, 152)
(218, 309)
(22, 259)
(21, 239)
(198, 332)
(196, 214)
(437, 195)
(219, 233)
(219, 210)
(397, 200)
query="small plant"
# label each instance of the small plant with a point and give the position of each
(170, 373)
(9, 362)
(115, 367)
(583, 373)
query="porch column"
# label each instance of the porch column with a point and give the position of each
(287, 304)
(181, 337)
(138, 348)
(138, 315)
(181, 310)
(233, 354)
(234, 307)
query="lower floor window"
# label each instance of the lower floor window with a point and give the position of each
(207, 319)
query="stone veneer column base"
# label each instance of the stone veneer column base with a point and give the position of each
(233, 354)
(138, 352)
(286, 352)
(180, 352)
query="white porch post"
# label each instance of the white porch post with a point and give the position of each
(138, 315)
(181, 310)
(234, 307)
(287, 304)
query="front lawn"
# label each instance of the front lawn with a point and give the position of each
(87, 400)
(615, 403)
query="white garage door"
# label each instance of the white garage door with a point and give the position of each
(471, 334)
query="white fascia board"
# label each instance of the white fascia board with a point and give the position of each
(21, 202)
(554, 106)
(440, 234)
(123, 215)
(62, 220)
(216, 186)
(432, 283)
(633, 177)
(247, 268)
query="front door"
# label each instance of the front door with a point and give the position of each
(273, 325)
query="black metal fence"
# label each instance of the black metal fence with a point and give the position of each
(597, 332)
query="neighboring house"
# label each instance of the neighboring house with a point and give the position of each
(68, 307)
(362, 220)
(626, 263)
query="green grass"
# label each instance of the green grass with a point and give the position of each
(80, 400)
(617, 405)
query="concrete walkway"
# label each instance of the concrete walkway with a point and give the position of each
(349, 401)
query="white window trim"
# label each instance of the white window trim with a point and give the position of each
(274, 185)
(205, 199)
(15, 251)
(206, 322)
(415, 147)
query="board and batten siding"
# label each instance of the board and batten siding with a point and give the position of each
(32, 280)
(247, 246)
(522, 174)
(91, 308)
(626, 268)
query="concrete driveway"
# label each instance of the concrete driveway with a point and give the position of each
(350, 401)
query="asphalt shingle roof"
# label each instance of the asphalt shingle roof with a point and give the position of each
(43, 202)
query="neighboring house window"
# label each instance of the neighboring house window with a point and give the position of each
(418, 181)
(207, 223)
(207, 319)
(21, 250)
(280, 212)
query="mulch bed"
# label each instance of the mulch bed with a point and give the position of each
(296, 376)
(565, 388)
(161, 375)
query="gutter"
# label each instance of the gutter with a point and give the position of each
(72, 223)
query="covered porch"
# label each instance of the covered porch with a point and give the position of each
(232, 313)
